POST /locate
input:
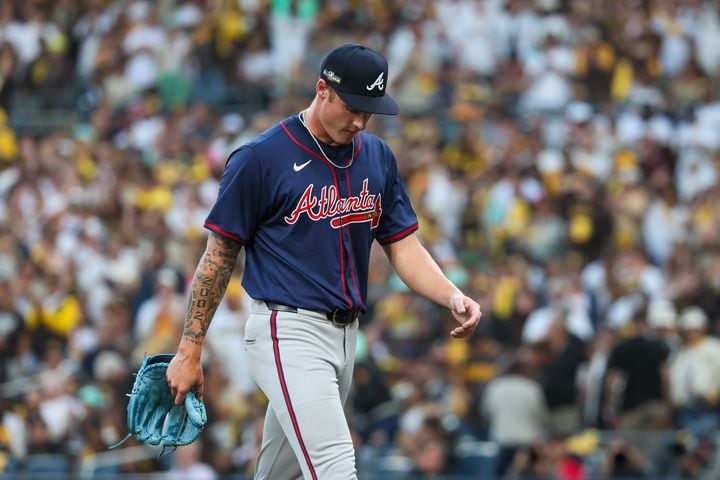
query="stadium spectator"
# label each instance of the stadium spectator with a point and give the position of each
(694, 374)
(514, 406)
(637, 380)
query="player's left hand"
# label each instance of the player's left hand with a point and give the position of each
(467, 312)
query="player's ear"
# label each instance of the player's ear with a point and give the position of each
(322, 89)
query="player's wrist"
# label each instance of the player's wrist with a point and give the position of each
(190, 347)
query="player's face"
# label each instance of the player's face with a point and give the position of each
(339, 120)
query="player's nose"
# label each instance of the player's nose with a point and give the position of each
(360, 120)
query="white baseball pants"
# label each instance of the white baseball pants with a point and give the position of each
(304, 364)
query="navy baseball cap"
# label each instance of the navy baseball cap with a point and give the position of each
(359, 76)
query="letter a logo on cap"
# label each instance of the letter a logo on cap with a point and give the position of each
(377, 83)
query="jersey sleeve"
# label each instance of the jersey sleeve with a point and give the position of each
(398, 217)
(238, 208)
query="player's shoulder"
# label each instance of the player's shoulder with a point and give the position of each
(375, 144)
(371, 139)
(261, 146)
(377, 152)
(268, 139)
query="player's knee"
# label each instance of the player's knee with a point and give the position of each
(336, 463)
(343, 469)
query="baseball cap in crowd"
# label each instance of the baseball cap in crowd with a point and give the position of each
(661, 313)
(693, 318)
(359, 76)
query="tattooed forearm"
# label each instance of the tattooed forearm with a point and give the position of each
(208, 287)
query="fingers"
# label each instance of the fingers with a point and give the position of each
(180, 398)
(199, 389)
(179, 391)
(463, 330)
(176, 389)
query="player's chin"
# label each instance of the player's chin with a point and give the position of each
(344, 137)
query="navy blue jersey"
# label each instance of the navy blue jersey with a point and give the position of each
(307, 226)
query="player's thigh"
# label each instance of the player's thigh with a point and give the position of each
(346, 373)
(293, 355)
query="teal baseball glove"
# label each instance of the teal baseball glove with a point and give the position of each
(153, 417)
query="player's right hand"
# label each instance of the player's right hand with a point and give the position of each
(184, 373)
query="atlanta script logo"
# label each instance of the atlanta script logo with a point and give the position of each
(342, 211)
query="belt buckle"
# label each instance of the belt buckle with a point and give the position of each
(334, 318)
(348, 318)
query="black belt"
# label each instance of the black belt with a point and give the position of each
(337, 316)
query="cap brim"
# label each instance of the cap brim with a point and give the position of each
(384, 105)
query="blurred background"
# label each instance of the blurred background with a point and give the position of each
(563, 158)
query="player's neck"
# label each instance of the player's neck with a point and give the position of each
(313, 123)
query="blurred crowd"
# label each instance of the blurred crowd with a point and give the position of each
(563, 157)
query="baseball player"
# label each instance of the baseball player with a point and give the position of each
(306, 199)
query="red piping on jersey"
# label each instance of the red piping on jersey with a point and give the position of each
(286, 393)
(357, 150)
(337, 185)
(399, 236)
(312, 152)
(222, 232)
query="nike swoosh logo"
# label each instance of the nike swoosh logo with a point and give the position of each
(297, 167)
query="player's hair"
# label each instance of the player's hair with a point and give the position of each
(332, 94)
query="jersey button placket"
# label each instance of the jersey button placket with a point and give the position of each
(345, 232)
(342, 190)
